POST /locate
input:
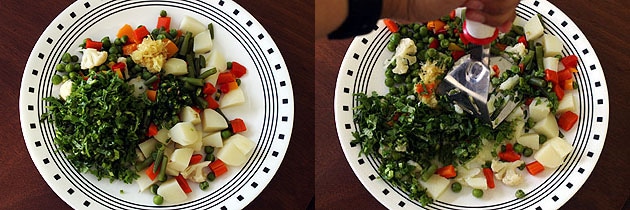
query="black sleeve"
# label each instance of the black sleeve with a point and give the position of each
(362, 18)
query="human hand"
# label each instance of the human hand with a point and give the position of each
(418, 10)
(497, 13)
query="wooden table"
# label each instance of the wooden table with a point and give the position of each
(290, 24)
(607, 187)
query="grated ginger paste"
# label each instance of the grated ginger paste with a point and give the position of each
(150, 54)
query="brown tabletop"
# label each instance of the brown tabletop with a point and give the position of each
(290, 24)
(603, 23)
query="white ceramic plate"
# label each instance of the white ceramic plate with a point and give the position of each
(268, 111)
(362, 72)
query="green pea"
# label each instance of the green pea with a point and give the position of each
(430, 40)
(209, 157)
(106, 42)
(528, 152)
(518, 148)
(431, 52)
(391, 46)
(124, 39)
(60, 67)
(211, 176)
(424, 31)
(204, 185)
(160, 37)
(389, 73)
(56, 79)
(456, 187)
(478, 193)
(226, 133)
(440, 36)
(389, 82)
(399, 78)
(420, 45)
(73, 75)
(66, 58)
(393, 90)
(158, 200)
(118, 42)
(520, 194)
(444, 43)
(402, 88)
(69, 68)
(395, 38)
(416, 26)
(208, 149)
(404, 30)
(229, 65)
(113, 50)
(65, 77)
(173, 32)
(163, 13)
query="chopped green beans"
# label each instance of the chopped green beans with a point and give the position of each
(144, 164)
(162, 175)
(207, 73)
(158, 157)
(151, 80)
(183, 50)
(429, 172)
(193, 81)
(211, 29)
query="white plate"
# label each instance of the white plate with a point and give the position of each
(362, 72)
(268, 111)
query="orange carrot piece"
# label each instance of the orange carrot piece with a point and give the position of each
(534, 168)
(152, 95)
(391, 25)
(127, 30)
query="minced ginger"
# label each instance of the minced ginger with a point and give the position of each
(150, 54)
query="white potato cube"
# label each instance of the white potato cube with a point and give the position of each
(196, 146)
(568, 103)
(547, 127)
(188, 114)
(215, 59)
(519, 129)
(552, 45)
(244, 144)
(171, 191)
(435, 185)
(562, 147)
(233, 98)
(184, 133)
(530, 140)
(516, 114)
(144, 182)
(213, 140)
(162, 136)
(202, 42)
(533, 28)
(147, 147)
(192, 25)
(232, 153)
(551, 63)
(212, 121)
(539, 109)
(180, 159)
(548, 157)
(175, 66)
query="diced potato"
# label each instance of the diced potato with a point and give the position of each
(539, 109)
(551, 63)
(477, 182)
(562, 147)
(212, 121)
(171, 171)
(184, 133)
(530, 140)
(552, 45)
(533, 28)
(144, 182)
(180, 158)
(202, 42)
(233, 149)
(435, 185)
(162, 136)
(147, 147)
(547, 127)
(215, 59)
(232, 98)
(192, 25)
(169, 149)
(65, 89)
(171, 192)
(213, 140)
(548, 157)
(244, 144)
(175, 66)
(519, 129)
(509, 83)
(568, 103)
(197, 146)
(188, 114)
(516, 114)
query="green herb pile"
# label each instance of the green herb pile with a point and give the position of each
(98, 126)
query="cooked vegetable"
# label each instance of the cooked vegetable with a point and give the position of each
(171, 191)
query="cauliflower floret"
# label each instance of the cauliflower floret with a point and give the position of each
(92, 57)
(150, 54)
(65, 89)
(506, 172)
(196, 172)
(404, 55)
(518, 48)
